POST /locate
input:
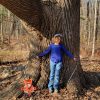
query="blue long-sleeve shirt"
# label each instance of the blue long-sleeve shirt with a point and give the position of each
(56, 52)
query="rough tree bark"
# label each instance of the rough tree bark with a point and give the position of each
(42, 18)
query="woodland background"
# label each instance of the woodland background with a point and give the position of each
(13, 35)
(15, 48)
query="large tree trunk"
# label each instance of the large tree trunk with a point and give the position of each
(42, 19)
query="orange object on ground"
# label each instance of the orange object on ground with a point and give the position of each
(28, 87)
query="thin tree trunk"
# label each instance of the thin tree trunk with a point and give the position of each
(98, 11)
(1, 28)
(89, 35)
(94, 32)
(89, 24)
(9, 25)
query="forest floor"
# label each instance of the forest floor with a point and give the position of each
(92, 93)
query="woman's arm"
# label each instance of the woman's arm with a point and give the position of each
(45, 52)
(67, 52)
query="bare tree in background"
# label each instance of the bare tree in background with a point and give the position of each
(1, 24)
(94, 32)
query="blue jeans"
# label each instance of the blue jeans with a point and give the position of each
(54, 75)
